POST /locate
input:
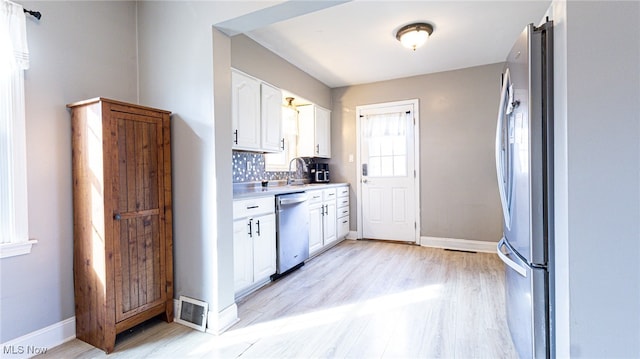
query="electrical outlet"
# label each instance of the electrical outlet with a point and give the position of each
(248, 166)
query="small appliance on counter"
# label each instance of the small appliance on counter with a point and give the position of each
(319, 172)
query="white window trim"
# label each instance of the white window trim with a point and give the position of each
(16, 249)
(15, 238)
(19, 241)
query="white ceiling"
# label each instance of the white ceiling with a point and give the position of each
(354, 42)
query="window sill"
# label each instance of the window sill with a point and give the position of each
(16, 249)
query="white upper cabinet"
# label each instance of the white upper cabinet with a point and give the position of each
(256, 114)
(314, 124)
(323, 132)
(245, 112)
(271, 115)
(280, 161)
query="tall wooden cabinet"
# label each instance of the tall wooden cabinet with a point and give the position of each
(123, 265)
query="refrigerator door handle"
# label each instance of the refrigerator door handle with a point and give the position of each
(504, 97)
(512, 264)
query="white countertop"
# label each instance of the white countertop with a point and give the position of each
(255, 189)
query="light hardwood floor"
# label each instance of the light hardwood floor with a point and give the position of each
(360, 299)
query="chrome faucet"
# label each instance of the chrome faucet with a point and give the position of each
(290, 178)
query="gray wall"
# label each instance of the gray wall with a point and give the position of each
(597, 178)
(176, 46)
(78, 50)
(458, 110)
(253, 59)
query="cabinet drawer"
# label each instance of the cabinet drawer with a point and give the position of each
(329, 194)
(254, 206)
(314, 196)
(343, 191)
(343, 227)
(343, 202)
(343, 212)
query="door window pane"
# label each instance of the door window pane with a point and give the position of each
(387, 148)
(386, 166)
(400, 165)
(374, 167)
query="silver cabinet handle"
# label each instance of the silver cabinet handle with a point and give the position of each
(258, 227)
(250, 229)
(512, 264)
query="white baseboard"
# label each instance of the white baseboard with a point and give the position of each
(227, 317)
(459, 244)
(352, 235)
(41, 340)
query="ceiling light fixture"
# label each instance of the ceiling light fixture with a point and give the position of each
(415, 35)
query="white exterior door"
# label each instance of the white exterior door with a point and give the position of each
(388, 171)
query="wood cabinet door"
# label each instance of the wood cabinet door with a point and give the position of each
(137, 156)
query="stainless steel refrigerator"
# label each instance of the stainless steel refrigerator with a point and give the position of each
(524, 163)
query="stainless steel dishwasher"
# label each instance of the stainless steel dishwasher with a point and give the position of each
(292, 233)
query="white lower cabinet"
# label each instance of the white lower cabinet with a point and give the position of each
(343, 212)
(322, 219)
(330, 233)
(316, 216)
(254, 242)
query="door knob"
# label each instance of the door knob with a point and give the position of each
(117, 217)
(365, 180)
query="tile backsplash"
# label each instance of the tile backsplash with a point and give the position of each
(255, 170)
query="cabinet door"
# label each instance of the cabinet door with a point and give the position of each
(323, 132)
(271, 114)
(245, 111)
(306, 131)
(315, 227)
(136, 152)
(280, 161)
(314, 124)
(264, 247)
(242, 255)
(329, 222)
